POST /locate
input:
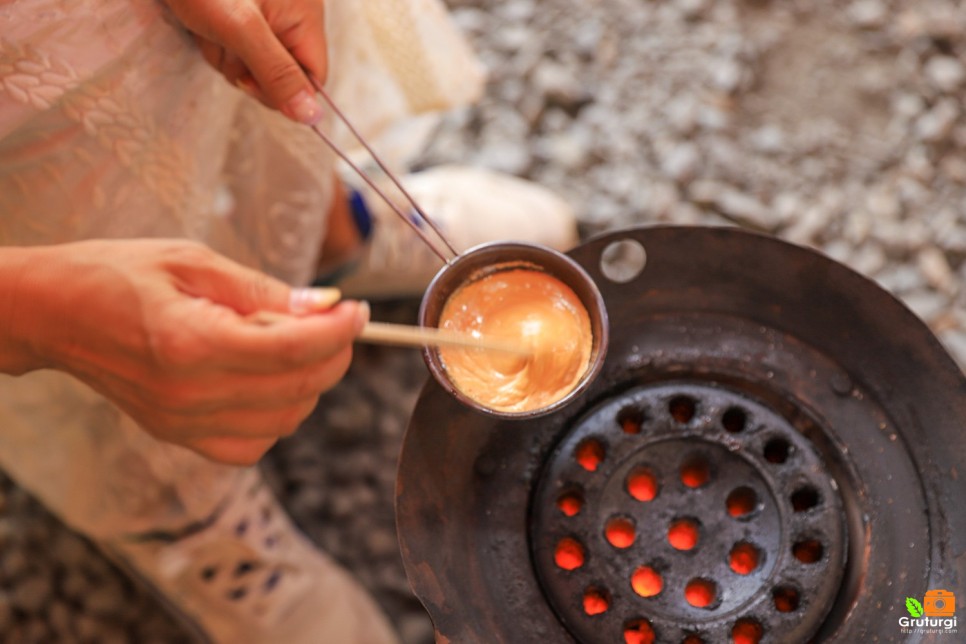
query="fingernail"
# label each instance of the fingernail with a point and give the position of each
(310, 300)
(305, 108)
(362, 316)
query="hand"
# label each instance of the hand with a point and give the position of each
(164, 329)
(262, 46)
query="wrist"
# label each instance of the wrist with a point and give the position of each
(24, 298)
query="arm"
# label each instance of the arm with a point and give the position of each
(161, 329)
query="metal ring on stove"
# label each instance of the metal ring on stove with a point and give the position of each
(682, 508)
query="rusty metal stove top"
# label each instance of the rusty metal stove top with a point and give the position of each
(768, 452)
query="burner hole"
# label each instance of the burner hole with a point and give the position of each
(804, 499)
(642, 485)
(622, 261)
(808, 551)
(639, 631)
(701, 593)
(744, 558)
(596, 601)
(570, 503)
(734, 420)
(746, 631)
(691, 638)
(695, 472)
(569, 554)
(683, 534)
(647, 582)
(590, 454)
(681, 409)
(786, 599)
(777, 451)
(631, 419)
(742, 502)
(620, 532)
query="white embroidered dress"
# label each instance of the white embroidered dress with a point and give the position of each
(112, 126)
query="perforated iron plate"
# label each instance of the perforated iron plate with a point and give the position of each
(664, 459)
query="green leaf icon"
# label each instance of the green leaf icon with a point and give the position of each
(914, 607)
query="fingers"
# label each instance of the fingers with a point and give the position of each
(282, 81)
(264, 47)
(291, 342)
(230, 66)
(306, 40)
(220, 392)
(202, 273)
(274, 48)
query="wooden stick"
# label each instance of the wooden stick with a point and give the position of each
(412, 336)
(415, 336)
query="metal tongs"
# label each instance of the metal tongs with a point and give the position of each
(449, 253)
(398, 334)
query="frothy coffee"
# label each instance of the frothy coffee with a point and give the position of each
(520, 305)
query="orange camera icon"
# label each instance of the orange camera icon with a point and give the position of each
(939, 603)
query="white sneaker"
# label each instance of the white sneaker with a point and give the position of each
(470, 206)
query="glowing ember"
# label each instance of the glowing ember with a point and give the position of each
(746, 631)
(647, 582)
(642, 485)
(595, 602)
(808, 551)
(590, 454)
(700, 593)
(741, 502)
(569, 554)
(743, 558)
(570, 504)
(620, 532)
(683, 534)
(639, 632)
(695, 473)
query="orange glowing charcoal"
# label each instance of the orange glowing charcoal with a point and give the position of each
(683, 534)
(590, 454)
(631, 426)
(695, 473)
(642, 485)
(647, 582)
(595, 602)
(639, 632)
(741, 502)
(746, 631)
(808, 551)
(701, 593)
(620, 532)
(569, 554)
(743, 558)
(570, 504)
(786, 599)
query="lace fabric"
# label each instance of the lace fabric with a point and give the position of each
(112, 126)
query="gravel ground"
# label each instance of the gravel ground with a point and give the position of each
(836, 125)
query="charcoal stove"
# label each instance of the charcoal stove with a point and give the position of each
(769, 453)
